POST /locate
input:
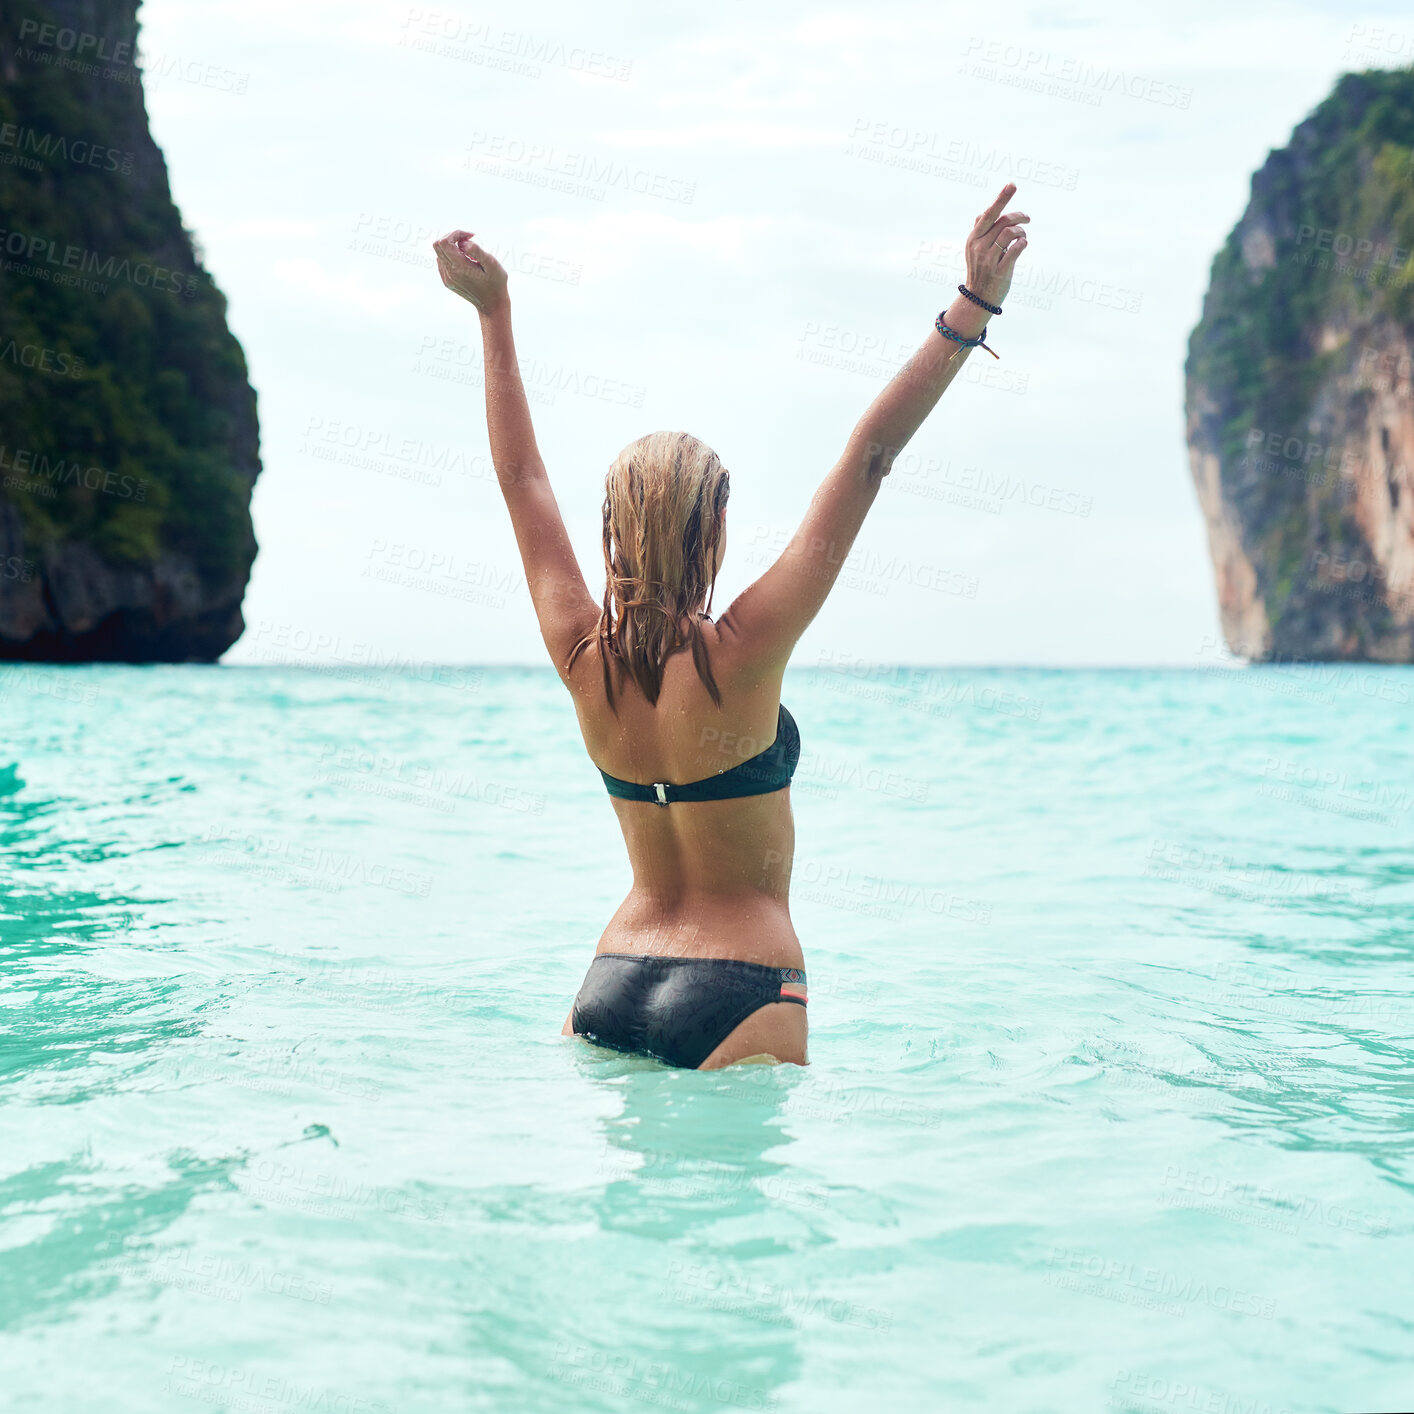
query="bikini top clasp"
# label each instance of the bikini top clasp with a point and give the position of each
(769, 770)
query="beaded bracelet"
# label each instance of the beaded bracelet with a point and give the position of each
(979, 342)
(977, 299)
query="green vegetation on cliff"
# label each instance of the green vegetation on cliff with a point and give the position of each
(1323, 255)
(1347, 179)
(126, 417)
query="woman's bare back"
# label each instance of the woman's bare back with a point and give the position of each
(711, 878)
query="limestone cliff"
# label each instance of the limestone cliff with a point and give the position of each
(128, 436)
(1299, 403)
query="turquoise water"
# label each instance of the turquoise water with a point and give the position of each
(1110, 1104)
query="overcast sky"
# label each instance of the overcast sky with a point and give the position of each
(737, 222)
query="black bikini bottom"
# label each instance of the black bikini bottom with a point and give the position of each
(676, 1009)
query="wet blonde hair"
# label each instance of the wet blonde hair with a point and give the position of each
(663, 503)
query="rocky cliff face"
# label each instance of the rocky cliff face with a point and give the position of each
(1300, 407)
(128, 436)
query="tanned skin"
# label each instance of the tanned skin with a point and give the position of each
(711, 879)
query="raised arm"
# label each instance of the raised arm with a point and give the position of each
(563, 604)
(769, 617)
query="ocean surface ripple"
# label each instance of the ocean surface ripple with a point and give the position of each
(1110, 1103)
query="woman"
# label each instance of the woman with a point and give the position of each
(700, 967)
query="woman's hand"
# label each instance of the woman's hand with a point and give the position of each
(993, 247)
(471, 272)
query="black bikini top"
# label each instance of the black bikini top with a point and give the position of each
(767, 771)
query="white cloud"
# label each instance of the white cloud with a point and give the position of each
(261, 228)
(320, 282)
(743, 132)
(613, 241)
